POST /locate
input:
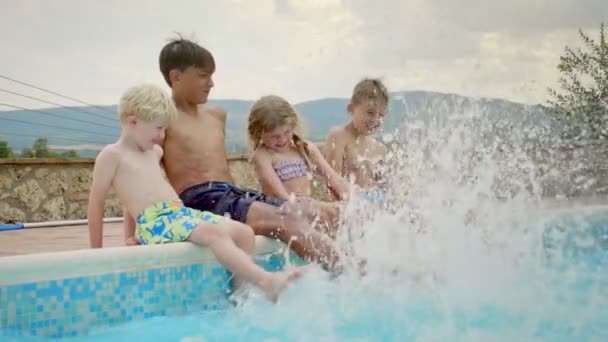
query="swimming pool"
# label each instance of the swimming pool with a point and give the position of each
(66, 294)
(179, 293)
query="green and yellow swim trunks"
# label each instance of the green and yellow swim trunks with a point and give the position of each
(169, 221)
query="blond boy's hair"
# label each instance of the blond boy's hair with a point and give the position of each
(148, 103)
(370, 89)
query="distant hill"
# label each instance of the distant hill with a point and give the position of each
(88, 128)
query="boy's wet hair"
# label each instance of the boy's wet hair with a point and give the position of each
(370, 89)
(181, 54)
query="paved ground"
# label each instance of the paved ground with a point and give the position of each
(51, 239)
(36, 240)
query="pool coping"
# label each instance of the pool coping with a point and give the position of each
(30, 268)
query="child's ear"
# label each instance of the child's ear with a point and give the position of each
(349, 108)
(174, 76)
(131, 120)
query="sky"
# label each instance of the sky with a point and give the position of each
(300, 49)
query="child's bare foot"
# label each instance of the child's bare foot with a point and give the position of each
(132, 241)
(278, 281)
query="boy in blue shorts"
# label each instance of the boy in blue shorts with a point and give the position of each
(196, 162)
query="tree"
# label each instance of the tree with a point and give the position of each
(582, 105)
(70, 154)
(27, 153)
(41, 148)
(5, 150)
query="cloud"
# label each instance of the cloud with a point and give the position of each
(301, 49)
(482, 48)
(522, 16)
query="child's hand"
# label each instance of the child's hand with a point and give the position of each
(342, 189)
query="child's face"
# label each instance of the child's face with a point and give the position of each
(366, 116)
(147, 134)
(194, 84)
(279, 139)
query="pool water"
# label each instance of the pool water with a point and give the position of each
(565, 303)
(317, 310)
(560, 294)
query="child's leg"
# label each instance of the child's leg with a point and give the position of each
(243, 238)
(218, 237)
(329, 217)
(324, 215)
(242, 235)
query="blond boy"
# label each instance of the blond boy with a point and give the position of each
(132, 167)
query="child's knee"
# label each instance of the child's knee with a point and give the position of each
(215, 231)
(298, 209)
(241, 229)
(242, 235)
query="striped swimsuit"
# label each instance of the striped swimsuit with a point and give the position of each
(292, 168)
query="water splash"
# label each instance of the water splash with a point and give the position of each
(463, 250)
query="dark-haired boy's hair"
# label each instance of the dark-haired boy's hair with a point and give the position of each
(181, 54)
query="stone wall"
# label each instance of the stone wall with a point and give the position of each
(35, 190)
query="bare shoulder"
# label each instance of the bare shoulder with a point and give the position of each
(312, 147)
(108, 161)
(260, 155)
(337, 137)
(111, 152)
(336, 132)
(215, 111)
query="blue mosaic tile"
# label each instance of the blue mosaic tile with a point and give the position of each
(71, 307)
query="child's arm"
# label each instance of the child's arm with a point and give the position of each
(105, 167)
(338, 185)
(334, 150)
(160, 152)
(379, 176)
(129, 226)
(267, 176)
(334, 153)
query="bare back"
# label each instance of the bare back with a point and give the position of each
(194, 149)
